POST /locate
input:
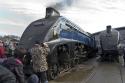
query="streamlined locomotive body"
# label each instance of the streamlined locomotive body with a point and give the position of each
(68, 44)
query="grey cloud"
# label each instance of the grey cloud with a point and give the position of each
(11, 29)
(22, 13)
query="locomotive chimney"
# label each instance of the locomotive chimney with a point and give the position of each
(108, 29)
(51, 12)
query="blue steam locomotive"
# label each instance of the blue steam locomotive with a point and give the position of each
(69, 45)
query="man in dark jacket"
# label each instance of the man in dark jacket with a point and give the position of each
(15, 66)
(6, 76)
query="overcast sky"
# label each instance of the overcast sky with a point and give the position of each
(90, 15)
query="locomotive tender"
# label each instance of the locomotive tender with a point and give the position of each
(67, 42)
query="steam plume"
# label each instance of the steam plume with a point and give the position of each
(63, 4)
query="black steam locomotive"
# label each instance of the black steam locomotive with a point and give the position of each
(69, 45)
(109, 41)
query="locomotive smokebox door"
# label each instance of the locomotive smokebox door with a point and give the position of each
(51, 12)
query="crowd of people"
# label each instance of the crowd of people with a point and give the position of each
(12, 67)
(30, 66)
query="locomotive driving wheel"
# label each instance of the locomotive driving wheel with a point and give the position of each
(53, 72)
(53, 69)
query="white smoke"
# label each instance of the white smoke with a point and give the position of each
(61, 4)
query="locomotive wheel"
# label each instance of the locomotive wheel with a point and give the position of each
(53, 69)
(53, 72)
